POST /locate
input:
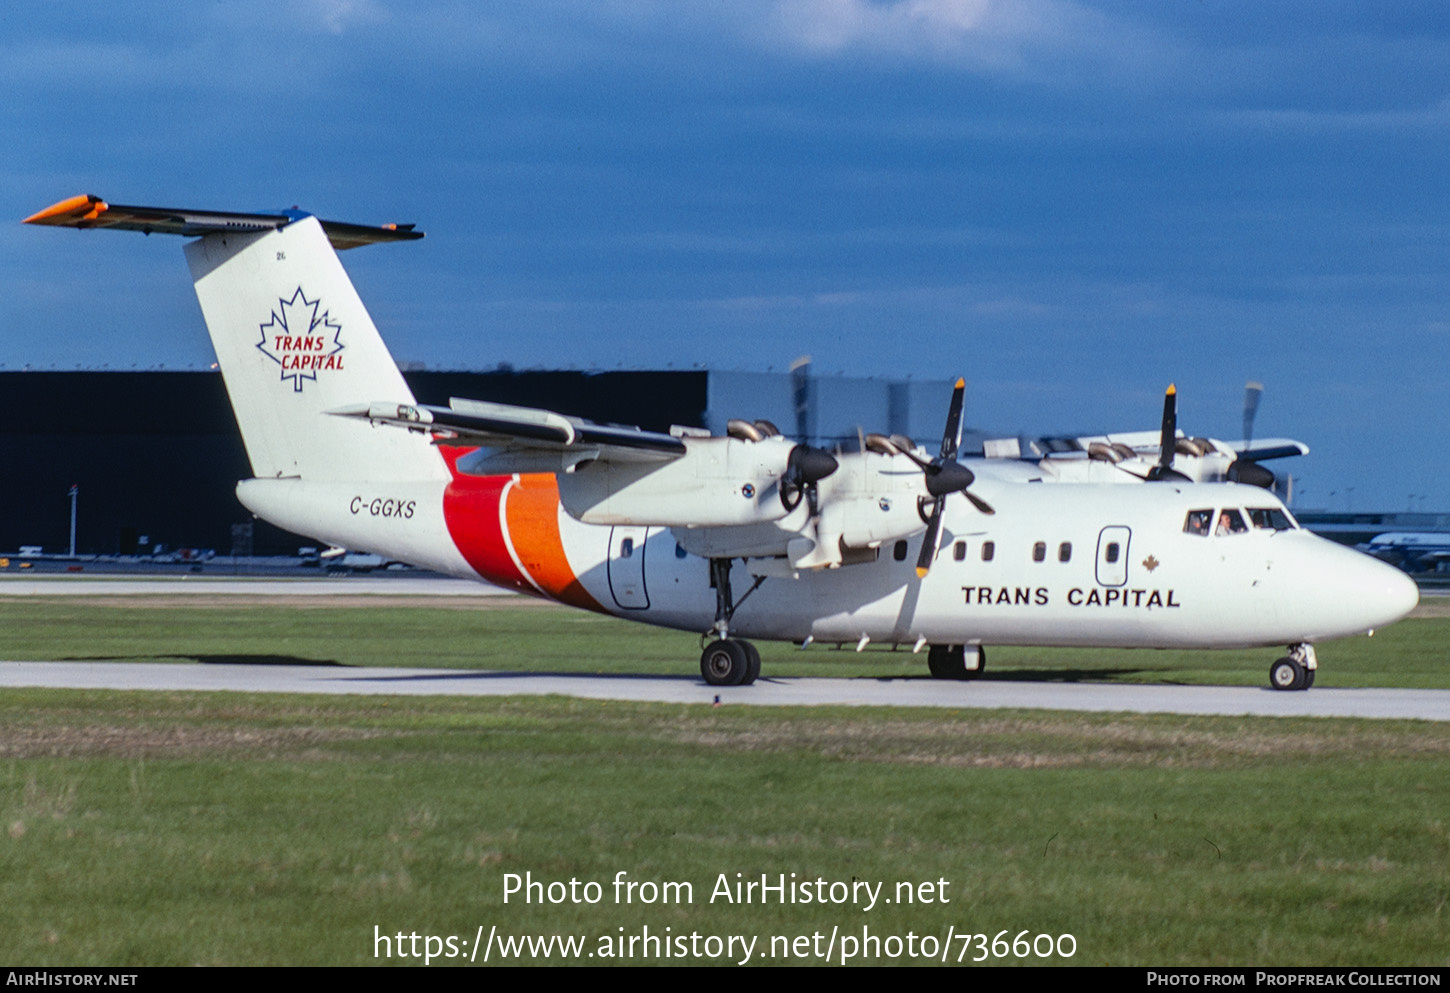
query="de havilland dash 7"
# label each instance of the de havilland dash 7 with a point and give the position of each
(750, 535)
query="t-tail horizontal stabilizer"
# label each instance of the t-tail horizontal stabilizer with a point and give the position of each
(89, 211)
(292, 338)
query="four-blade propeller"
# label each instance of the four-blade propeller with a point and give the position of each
(944, 476)
(1244, 469)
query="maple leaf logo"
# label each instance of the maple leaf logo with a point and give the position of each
(302, 338)
(1150, 563)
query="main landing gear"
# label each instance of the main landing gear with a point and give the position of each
(1294, 671)
(728, 661)
(956, 661)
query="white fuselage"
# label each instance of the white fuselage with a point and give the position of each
(1068, 564)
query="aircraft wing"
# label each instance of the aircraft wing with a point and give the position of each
(88, 211)
(531, 437)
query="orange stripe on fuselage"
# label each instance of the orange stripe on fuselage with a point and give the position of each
(533, 524)
(477, 509)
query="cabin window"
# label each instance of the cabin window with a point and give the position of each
(1064, 552)
(626, 548)
(1198, 522)
(959, 551)
(989, 548)
(1230, 521)
(899, 552)
(680, 551)
(1270, 519)
(1111, 553)
(1039, 552)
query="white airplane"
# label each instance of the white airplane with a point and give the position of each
(1143, 456)
(1412, 551)
(744, 536)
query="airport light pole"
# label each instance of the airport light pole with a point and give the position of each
(74, 492)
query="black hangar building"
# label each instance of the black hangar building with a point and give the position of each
(156, 456)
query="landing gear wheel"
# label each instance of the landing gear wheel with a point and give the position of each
(947, 661)
(1309, 677)
(752, 668)
(1287, 674)
(725, 662)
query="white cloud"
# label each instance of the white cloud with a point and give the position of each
(1434, 117)
(335, 16)
(835, 25)
(982, 33)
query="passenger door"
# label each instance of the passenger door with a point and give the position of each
(626, 567)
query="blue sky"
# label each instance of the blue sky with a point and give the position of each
(1071, 204)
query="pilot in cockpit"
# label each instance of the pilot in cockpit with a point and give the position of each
(1230, 522)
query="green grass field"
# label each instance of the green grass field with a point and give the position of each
(163, 829)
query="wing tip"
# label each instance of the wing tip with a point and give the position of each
(71, 211)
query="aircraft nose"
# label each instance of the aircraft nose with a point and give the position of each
(1355, 592)
(1382, 593)
(1391, 592)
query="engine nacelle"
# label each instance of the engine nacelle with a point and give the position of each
(868, 522)
(870, 501)
(718, 482)
(763, 540)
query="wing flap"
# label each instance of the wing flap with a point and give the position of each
(524, 432)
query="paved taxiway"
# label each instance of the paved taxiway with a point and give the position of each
(73, 586)
(1432, 705)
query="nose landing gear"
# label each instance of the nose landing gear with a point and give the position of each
(1296, 670)
(956, 661)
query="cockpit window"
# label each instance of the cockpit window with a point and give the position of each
(1230, 521)
(1270, 519)
(1197, 522)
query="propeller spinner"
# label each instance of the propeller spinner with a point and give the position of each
(804, 468)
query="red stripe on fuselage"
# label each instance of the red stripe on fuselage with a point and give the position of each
(471, 508)
(488, 514)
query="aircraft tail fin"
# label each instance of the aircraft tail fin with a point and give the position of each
(295, 342)
(291, 335)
